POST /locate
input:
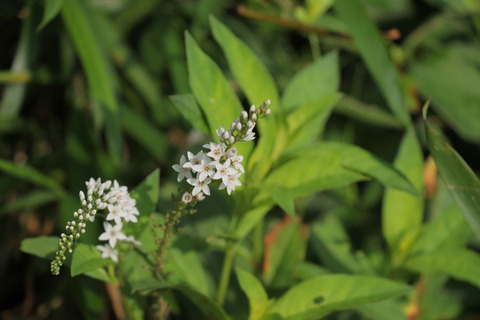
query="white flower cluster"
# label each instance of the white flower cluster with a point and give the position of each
(100, 196)
(221, 162)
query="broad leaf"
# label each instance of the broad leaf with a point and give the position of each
(317, 297)
(256, 294)
(213, 92)
(87, 258)
(282, 197)
(43, 247)
(402, 213)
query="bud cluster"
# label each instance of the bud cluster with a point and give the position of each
(221, 162)
(99, 196)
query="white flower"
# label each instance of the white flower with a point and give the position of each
(108, 252)
(193, 159)
(236, 162)
(131, 214)
(112, 233)
(132, 239)
(199, 197)
(205, 168)
(250, 134)
(232, 152)
(200, 186)
(115, 213)
(231, 183)
(224, 171)
(182, 171)
(217, 150)
(187, 197)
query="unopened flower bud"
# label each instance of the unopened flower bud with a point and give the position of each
(244, 114)
(252, 109)
(254, 116)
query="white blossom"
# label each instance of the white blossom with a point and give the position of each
(182, 171)
(112, 233)
(108, 252)
(200, 186)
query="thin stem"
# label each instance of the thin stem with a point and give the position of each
(225, 275)
(314, 45)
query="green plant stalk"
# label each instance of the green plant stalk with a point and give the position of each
(225, 275)
(314, 45)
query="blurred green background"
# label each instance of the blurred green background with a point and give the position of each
(85, 86)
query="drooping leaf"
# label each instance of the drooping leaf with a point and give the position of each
(317, 297)
(369, 43)
(256, 294)
(52, 9)
(459, 178)
(86, 258)
(43, 247)
(461, 264)
(402, 213)
(29, 201)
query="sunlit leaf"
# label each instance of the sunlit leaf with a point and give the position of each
(402, 213)
(146, 193)
(87, 258)
(43, 247)
(256, 294)
(317, 297)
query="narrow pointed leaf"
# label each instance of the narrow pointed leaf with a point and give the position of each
(256, 294)
(459, 178)
(369, 43)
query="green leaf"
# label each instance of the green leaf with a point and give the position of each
(461, 181)
(189, 108)
(285, 247)
(461, 264)
(318, 79)
(256, 294)
(317, 297)
(31, 200)
(402, 213)
(43, 247)
(251, 74)
(317, 168)
(141, 129)
(307, 121)
(52, 9)
(330, 244)
(186, 267)
(213, 92)
(449, 79)
(362, 161)
(87, 258)
(369, 114)
(384, 310)
(147, 192)
(371, 47)
(282, 197)
(79, 21)
(32, 175)
(208, 308)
